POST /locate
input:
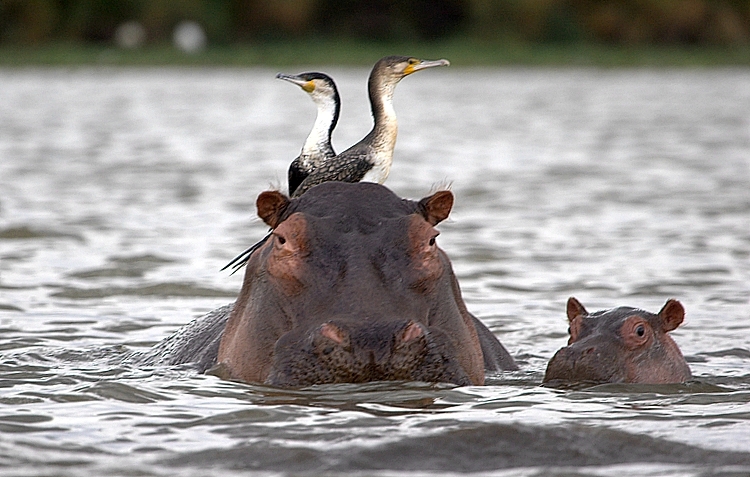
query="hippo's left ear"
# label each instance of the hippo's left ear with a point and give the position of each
(672, 314)
(436, 207)
(574, 309)
(271, 205)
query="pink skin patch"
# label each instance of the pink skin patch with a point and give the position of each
(412, 332)
(290, 247)
(424, 253)
(332, 332)
(636, 332)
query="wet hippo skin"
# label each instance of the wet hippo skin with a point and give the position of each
(621, 345)
(351, 287)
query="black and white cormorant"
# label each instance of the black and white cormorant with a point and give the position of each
(370, 159)
(317, 148)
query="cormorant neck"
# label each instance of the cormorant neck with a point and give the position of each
(385, 127)
(318, 142)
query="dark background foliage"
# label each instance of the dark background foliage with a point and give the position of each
(626, 22)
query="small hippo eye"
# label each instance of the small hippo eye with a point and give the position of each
(432, 241)
(568, 329)
(640, 330)
(281, 239)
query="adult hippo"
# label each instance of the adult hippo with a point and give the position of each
(622, 345)
(350, 288)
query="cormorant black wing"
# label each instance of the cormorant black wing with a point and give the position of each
(296, 174)
(342, 168)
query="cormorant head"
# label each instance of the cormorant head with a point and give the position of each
(392, 69)
(319, 86)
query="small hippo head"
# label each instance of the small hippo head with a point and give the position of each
(351, 287)
(621, 345)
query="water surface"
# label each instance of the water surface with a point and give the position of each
(124, 191)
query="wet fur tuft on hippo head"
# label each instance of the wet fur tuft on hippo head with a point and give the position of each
(621, 345)
(352, 287)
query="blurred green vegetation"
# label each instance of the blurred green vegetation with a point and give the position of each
(363, 53)
(344, 31)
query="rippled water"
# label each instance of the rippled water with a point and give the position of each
(124, 191)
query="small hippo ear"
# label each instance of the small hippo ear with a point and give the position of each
(575, 309)
(436, 207)
(271, 204)
(672, 314)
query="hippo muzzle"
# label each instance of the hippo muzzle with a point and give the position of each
(585, 363)
(340, 352)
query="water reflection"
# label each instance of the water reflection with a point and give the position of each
(123, 192)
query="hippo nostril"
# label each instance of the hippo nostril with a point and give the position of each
(413, 331)
(332, 332)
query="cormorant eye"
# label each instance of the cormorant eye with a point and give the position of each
(640, 330)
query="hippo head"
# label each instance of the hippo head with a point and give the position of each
(622, 345)
(351, 287)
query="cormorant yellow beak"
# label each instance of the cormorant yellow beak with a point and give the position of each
(307, 85)
(415, 64)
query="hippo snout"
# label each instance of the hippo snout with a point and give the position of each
(582, 362)
(337, 352)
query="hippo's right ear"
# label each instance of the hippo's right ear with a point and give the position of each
(575, 309)
(672, 314)
(271, 205)
(436, 207)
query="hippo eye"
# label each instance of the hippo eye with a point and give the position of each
(640, 330)
(281, 239)
(432, 240)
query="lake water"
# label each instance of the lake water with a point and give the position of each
(124, 191)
